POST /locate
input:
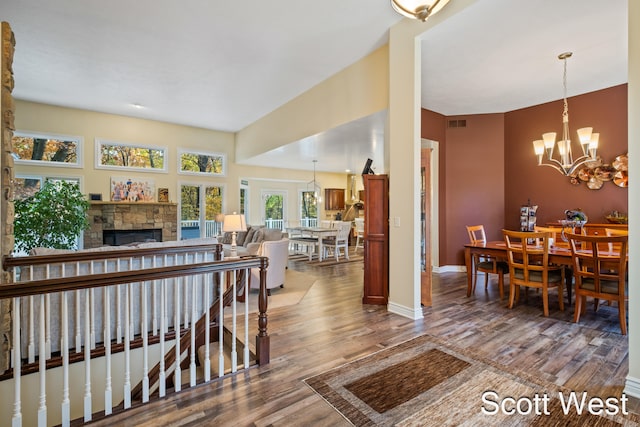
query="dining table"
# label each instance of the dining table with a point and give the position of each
(311, 235)
(560, 255)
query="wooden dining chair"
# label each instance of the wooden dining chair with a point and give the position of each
(484, 263)
(555, 233)
(615, 232)
(529, 266)
(600, 274)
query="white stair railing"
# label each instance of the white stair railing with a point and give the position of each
(78, 400)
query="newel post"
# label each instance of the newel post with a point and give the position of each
(262, 339)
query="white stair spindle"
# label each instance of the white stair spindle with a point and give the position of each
(92, 335)
(118, 314)
(247, 272)
(207, 333)
(66, 404)
(162, 377)
(16, 419)
(127, 350)
(145, 344)
(31, 348)
(77, 312)
(42, 367)
(234, 317)
(108, 391)
(47, 328)
(192, 364)
(220, 328)
(176, 326)
(87, 358)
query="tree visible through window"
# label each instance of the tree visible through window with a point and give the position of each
(202, 163)
(43, 148)
(113, 154)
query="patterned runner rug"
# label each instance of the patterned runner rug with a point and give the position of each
(426, 382)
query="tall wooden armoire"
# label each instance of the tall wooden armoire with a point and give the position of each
(376, 239)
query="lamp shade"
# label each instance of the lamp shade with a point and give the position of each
(234, 222)
(418, 9)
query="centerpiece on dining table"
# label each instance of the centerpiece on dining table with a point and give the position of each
(574, 218)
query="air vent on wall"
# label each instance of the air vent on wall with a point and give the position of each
(457, 123)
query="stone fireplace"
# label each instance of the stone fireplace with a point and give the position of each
(128, 222)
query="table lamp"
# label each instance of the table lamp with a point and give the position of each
(233, 223)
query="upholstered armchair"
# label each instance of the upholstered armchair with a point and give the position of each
(278, 253)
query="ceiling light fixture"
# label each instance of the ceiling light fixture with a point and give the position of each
(314, 185)
(418, 9)
(588, 140)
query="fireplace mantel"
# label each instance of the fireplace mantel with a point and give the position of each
(130, 216)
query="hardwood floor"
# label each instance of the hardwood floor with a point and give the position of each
(330, 327)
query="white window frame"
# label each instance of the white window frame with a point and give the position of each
(182, 151)
(285, 196)
(99, 142)
(79, 149)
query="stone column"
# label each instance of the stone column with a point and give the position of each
(6, 183)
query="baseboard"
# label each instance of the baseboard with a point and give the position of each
(632, 387)
(405, 311)
(450, 269)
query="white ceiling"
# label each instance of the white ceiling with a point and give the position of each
(222, 64)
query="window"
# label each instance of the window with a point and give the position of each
(26, 186)
(274, 208)
(199, 205)
(118, 155)
(244, 200)
(197, 163)
(47, 150)
(308, 209)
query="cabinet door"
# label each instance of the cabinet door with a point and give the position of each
(334, 199)
(376, 240)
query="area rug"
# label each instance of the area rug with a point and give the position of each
(296, 286)
(427, 382)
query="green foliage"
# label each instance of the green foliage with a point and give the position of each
(51, 218)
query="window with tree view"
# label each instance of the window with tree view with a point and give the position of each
(201, 163)
(47, 150)
(120, 155)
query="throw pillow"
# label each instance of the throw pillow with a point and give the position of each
(245, 236)
(258, 236)
(227, 238)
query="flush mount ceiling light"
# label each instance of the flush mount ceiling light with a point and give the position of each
(418, 9)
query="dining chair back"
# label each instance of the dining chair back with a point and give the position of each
(359, 222)
(555, 233)
(615, 232)
(484, 263)
(600, 274)
(529, 266)
(339, 241)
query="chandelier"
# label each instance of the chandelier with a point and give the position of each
(588, 140)
(315, 187)
(418, 9)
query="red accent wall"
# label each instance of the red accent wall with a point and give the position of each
(604, 110)
(488, 169)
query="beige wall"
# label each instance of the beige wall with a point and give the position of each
(90, 125)
(357, 91)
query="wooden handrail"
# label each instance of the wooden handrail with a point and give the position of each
(60, 284)
(11, 261)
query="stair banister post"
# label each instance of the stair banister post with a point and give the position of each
(262, 339)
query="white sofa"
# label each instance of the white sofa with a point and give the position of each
(248, 242)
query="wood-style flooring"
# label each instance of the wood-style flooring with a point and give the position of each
(331, 326)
